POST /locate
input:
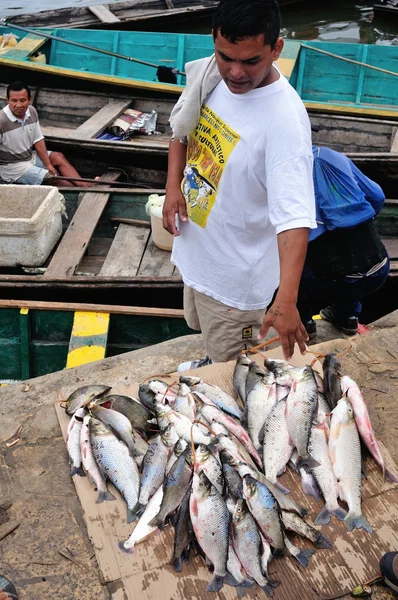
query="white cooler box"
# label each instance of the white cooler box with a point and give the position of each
(30, 223)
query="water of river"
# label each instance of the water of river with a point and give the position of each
(337, 20)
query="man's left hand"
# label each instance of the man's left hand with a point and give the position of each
(285, 319)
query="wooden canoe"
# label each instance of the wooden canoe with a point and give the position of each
(135, 14)
(42, 337)
(74, 117)
(325, 82)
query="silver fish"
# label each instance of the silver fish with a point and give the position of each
(144, 529)
(345, 456)
(138, 415)
(323, 474)
(207, 462)
(241, 371)
(73, 442)
(300, 407)
(175, 487)
(210, 519)
(300, 555)
(120, 425)
(231, 476)
(277, 448)
(331, 379)
(184, 535)
(117, 464)
(259, 403)
(155, 463)
(220, 398)
(264, 508)
(184, 402)
(235, 568)
(247, 545)
(255, 374)
(83, 396)
(90, 464)
(183, 425)
(293, 522)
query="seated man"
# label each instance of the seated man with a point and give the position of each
(346, 259)
(23, 154)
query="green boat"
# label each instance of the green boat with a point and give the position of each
(356, 79)
(37, 338)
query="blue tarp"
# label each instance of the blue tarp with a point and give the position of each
(344, 196)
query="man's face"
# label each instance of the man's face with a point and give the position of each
(247, 64)
(18, 103)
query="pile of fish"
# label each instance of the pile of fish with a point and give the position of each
(209, 463)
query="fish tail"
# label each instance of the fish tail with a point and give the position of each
(127, 550)
(176, 564)
(157, 522)
(274, 582)
(310, 488)
(339, 513)
(215, 584)
(268, 589)
(309, 462)
(303, 557)
(357, 523)
(105, 495)
(133, 513)
(281, 487)
(77, 471)
(388, 476)
(322, 541)
(324, 517)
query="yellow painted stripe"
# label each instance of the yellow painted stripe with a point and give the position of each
(354, 110)
(122, 81)
(24, 311)
(88, 338)
(317, 317)
(85, 355)
(286, 66)
(90, 323)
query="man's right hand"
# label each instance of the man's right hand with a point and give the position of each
(174, 204)
(52, 170)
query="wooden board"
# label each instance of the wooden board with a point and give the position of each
(76, 238)
(104, 14)
(147, 574)
(155, 262)
(125, 254)
(100, 120)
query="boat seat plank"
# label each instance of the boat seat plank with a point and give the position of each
(78, 235)
(391, 245)
(27, 46)
(394, 141)
(125, 255)
(155, 262)
(102, 12)
(100, 120)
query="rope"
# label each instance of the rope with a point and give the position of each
(354, 62)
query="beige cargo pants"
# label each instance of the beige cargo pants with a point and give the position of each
(226, 330)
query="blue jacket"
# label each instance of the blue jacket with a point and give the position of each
(344, 196)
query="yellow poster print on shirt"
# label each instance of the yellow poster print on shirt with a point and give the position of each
(209, 148)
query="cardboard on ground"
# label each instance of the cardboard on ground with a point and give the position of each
(147, 574)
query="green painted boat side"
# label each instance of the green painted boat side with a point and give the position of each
(325, 83)
(41, 345)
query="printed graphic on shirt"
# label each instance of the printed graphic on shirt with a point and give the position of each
(209, 148)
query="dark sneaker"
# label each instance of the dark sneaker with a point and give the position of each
(348, 326)
(194, 364)
(7, 587)
(310, 327)
(389, 570)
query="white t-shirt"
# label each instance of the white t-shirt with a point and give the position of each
(248, 177)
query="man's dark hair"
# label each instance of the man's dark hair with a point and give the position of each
(239, 19)
(18, 86)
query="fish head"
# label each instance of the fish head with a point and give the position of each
(202, 453)
(97, 428)
(169, 436)
(189, 380)
(180, 447)
(219, 429)
(162, 411)
(249, 486)
(231, 503)
(83, 396)
(343, 412)
(203, 485)
(158, 387)
(240, 512)
(183, 390)
(256, 370)
(269, 378)
(243, 360)
(271, 364)
(86, 420)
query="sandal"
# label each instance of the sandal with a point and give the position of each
(7, 587)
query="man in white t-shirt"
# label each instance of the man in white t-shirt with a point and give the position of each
(241, 186)
(24, 158)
